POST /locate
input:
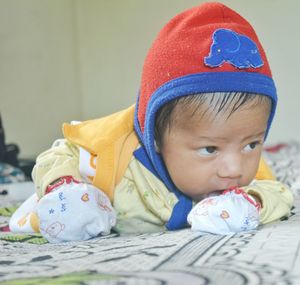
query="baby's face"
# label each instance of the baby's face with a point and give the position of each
(207, 153)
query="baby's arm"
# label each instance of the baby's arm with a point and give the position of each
(275, 198)
(242, 209)
(68, 208)
(62, 159)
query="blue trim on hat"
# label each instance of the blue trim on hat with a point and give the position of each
(249, 82)
(141, 155)
(136, 119)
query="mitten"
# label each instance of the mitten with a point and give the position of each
(231, 212)
(73, 210)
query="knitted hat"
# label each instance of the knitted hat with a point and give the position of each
(209, 48)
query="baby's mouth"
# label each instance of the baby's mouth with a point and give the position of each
(227, 184)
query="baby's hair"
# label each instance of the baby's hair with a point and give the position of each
(218, 103)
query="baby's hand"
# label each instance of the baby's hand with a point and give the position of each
(231, 212)
(74, 210)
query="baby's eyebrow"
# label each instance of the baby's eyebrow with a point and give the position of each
(213, 138)
(257, 135)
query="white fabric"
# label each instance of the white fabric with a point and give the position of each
(87, 162)
(75, 211)
(87, 165)
(23, 219)
(224, 214)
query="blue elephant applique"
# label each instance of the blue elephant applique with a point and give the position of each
(237, 49)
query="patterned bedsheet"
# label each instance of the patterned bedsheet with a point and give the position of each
(269, 255)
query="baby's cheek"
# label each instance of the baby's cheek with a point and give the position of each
(195, 189)
(248, 177)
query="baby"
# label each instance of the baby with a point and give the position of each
(188, 152)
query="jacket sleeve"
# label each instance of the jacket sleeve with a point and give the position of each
(62, 159)
(276, 199)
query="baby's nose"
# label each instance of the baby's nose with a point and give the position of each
(230, 167)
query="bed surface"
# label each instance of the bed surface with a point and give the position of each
(269, 255)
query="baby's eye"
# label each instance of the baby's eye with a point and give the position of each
(208, 150)
(251, 146)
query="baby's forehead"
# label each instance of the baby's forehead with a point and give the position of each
(239, 126)
(192, 113)
(219, 103)
(196, 111)
(184, 117)
(211, 109)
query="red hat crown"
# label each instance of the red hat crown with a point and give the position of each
(183, 44)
